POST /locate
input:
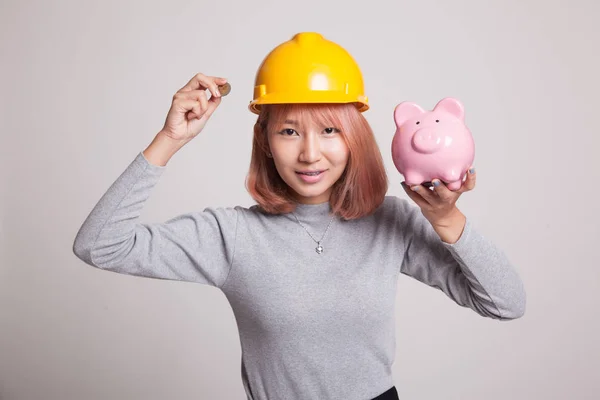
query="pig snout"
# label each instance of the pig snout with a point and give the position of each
(427, 140)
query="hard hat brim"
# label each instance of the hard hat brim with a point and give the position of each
(315, 97)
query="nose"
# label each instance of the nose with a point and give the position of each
(427, 140)
(311, 149)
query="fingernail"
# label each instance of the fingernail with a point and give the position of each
(436, 183)
(472, 170)
(414, 188)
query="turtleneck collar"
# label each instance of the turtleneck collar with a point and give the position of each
(313, 212)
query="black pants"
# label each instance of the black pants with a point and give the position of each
(391, 394)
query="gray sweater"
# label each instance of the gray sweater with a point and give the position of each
(311, 326)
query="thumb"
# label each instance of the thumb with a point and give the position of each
(213, 103)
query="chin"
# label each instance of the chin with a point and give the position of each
(311, 194)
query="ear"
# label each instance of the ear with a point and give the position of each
(405, 111)
(451, 106)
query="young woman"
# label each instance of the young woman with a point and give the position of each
(311, 269)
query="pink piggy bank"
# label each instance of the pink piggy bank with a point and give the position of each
(432, 144)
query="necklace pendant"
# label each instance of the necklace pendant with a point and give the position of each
(319, 249)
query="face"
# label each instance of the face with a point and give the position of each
(309, 156)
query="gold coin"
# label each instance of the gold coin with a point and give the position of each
(225, 89)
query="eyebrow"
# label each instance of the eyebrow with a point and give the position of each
(291, 122)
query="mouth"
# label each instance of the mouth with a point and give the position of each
(310, 173)
(311, 176)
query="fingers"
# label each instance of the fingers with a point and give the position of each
(203, 82)
(190, 107)
(439, 194)
(220, 81)
(469, 183)
(412, 192)
(440, 200)
(203, 104)
(194, 101)
(425, 193)
(442, 191)
(197, 102)
(212, 105)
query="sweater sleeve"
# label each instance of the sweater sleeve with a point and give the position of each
(473, 271)
(194, 247)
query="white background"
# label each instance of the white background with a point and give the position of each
(85, 86)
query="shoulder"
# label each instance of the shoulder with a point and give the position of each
(391, 211)
(396, 206)
(397, 211)
(238, 212)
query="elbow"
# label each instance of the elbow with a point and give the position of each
(520, 303)
(503, 309)
(514, 302)
(99, 254)
(81, 250)
(514, 313)
(82, 244)
(516, 307)
(84, 253)
(110, 258)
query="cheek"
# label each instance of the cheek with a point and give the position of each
(281, 147)
(338, 151)
(284, 164)
(283, 157)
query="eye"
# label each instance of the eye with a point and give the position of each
(329, 131)
(288, 132)
(437, 120)
(418, 122)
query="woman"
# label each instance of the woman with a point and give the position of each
(311, 270)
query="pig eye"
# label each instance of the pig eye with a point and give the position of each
(418, 122)
(437, 120)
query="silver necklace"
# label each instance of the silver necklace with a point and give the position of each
(319, 248)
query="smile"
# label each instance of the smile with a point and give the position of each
(312, 173)
(310, 176)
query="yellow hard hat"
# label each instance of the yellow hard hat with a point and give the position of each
(308, 69)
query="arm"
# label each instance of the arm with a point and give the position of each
(196, 247)
(472, 271)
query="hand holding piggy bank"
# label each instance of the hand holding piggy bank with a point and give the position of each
(432, 144)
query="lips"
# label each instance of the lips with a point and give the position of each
(310, 173)
(311, 176)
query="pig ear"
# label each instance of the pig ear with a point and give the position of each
(451, 106)
(405, 111)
